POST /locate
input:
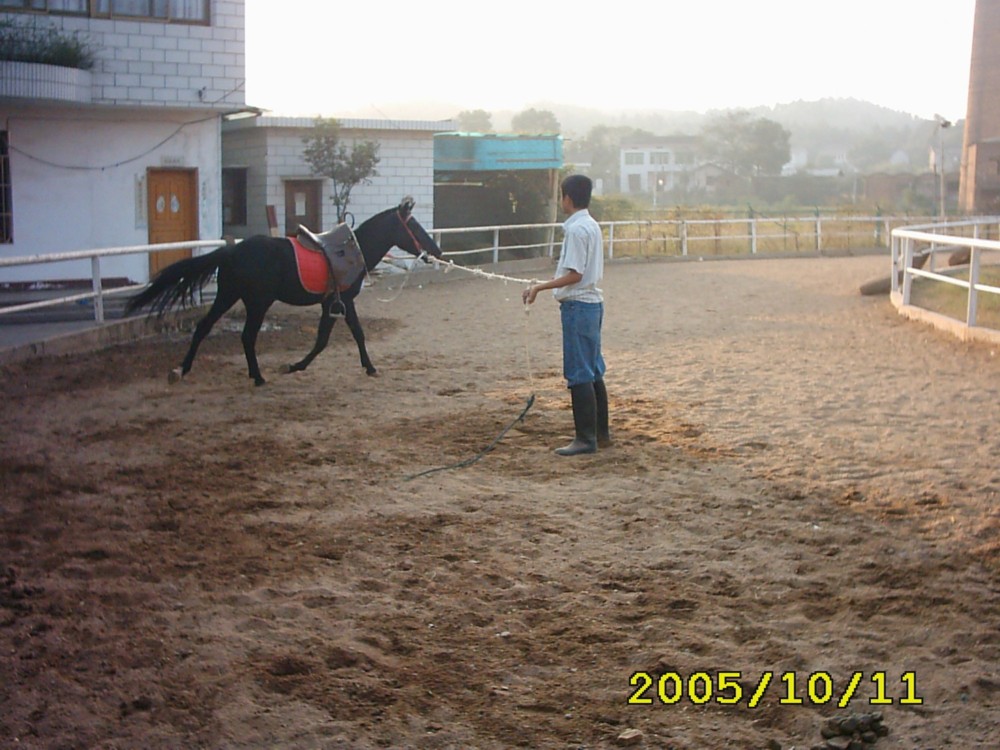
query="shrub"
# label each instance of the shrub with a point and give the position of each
(30, 42)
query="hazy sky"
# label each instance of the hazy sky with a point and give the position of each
(372, 57)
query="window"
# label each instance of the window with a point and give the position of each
(171, 11)
(6, 205)
(635, 157)
(234, 196)
(660, 157)
(54, 6)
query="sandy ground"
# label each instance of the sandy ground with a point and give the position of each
(802, 485)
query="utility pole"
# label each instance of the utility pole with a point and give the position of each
(942, 124)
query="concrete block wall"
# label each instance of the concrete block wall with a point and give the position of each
(154, 64)
(271, 148)
(406, 167)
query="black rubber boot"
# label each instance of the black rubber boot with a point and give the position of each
(584, 420)
(603, 431)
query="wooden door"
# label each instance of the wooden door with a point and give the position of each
(302, 205)
(173, 212)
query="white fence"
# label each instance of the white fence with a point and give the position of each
(730, 237)
(686, 237)
(98, 292)
(915, 252)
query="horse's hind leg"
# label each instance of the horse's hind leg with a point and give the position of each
(354, 323)
(326, 322)
(255, 318)
(223, 302)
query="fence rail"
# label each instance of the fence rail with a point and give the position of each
(915, 247)
(721, 237)
(98, 293)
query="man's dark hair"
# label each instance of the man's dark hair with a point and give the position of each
(578, 187)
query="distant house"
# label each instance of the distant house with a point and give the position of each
(797, 162)
(263, 166)
(657, 163)
(127, 152)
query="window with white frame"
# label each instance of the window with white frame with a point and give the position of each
(171, 11)
(633, 158)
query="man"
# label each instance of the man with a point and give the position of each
(581, 307)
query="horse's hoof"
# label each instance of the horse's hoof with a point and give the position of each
(258, 382)
(285, 369)
(174, 376)
(372, 373)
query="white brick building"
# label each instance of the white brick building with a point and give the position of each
(656, 164)
(263, 166)
(125, 153)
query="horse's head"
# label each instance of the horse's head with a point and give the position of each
(412, 237)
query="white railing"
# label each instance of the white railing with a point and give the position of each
(693, 237)
(731, 237)
(914, 255)
(97, 293)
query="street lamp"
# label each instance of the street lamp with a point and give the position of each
(942, 124)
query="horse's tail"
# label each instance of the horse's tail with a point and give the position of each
(177, 283)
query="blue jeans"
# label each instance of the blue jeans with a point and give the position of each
(581, 330)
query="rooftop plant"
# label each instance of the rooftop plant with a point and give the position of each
(27, 41)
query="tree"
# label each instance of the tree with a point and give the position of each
(534, 121)
(475, 121)
(747, 146)
(331, 158)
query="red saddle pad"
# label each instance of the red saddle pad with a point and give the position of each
(314, 273)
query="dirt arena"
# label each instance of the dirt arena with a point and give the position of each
(803, 484)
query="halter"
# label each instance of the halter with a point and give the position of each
(406, 225)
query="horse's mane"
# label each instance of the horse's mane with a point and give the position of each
(371, 219)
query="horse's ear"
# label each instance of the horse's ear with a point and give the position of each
(406, 205)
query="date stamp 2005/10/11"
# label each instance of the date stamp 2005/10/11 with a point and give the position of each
(731, 689)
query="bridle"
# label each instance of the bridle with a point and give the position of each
(422, 254)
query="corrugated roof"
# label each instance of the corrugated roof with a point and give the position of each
(346, 123)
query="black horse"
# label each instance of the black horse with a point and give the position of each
(262, 270)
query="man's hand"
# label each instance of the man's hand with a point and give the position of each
(529, 294)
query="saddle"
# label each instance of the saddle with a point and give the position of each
(343, 255)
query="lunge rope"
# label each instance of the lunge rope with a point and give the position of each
(448, 265)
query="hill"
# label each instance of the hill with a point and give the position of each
(871, 137)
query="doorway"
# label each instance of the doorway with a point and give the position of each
(173, 212)
(302, 205)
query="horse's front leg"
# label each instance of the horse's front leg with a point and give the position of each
(351, 316)
(326, 322)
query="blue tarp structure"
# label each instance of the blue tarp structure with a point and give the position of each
(494, 152)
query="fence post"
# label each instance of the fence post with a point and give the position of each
(970, 315)
(907, 263)
(894, 255)
(753, 233)
(611, 241)
(95, 273)
(496, 245)
(552, 240)
(684, 237)
(819, 232)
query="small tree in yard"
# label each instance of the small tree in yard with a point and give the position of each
(331, 158)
